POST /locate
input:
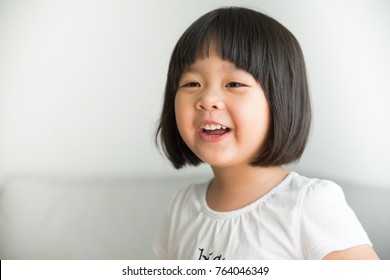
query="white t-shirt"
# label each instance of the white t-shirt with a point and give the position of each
(300, 218)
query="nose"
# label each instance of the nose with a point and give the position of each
(210, 100)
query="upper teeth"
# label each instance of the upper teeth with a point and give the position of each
(213, 126)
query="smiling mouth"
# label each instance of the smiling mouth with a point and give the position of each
(218, 131)
(213, 132)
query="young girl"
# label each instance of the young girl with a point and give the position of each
(236, 98)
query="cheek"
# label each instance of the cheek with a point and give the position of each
(255, 120)
(183, 119)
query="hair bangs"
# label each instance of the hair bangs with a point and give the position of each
(228, 34)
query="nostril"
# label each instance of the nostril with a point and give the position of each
(208, 104)
(201, 107)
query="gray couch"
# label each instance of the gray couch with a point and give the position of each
(117, 218)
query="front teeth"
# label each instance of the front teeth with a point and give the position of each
(213, 126)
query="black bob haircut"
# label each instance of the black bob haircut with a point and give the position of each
(261, 46)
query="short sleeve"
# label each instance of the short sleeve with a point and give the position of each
(328, 223)
(162, 242)
(160, 245)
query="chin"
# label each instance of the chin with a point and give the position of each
(221, 163)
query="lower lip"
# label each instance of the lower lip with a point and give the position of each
(213, 138)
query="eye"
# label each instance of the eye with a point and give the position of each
(234, 85)
(191, 84)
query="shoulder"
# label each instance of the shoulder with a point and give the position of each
(298, 191)
(313, 190)
(188, 197)
(322, 195)
(317, 198)
(184, 206)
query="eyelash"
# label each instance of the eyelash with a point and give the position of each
(229, 85)
(191, 84)
(234, 85)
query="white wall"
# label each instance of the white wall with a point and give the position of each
(81, 84)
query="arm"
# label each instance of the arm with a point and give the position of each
(361, 252)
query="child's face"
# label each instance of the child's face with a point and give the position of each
(221, 112)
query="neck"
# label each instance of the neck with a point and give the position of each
(234, 188)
